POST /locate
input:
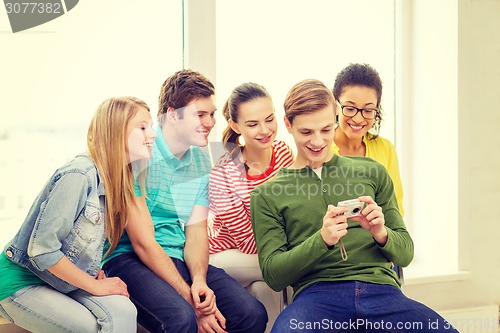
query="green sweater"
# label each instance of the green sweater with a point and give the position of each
(287, 214)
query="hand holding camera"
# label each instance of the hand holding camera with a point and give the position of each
(369, 217)
(334, 225)
(354, 205)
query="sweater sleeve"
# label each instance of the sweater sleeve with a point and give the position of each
(281, 267)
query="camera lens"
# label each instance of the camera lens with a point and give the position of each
(355, 210)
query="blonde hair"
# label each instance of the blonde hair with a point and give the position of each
(305, 97)
(106, 146)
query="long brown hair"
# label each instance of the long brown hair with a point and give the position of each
(243, 93)
(106, 146)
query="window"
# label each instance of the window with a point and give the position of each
(427, 131)
(54, 77)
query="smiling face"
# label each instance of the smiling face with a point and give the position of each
(354, 128)
(191, 125)
(256, 123)
(140, 136)
(313, 136)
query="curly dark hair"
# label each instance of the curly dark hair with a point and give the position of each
(365, 76)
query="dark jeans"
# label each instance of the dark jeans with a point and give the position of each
(161, 309)
(354, 306)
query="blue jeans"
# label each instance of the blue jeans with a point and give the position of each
(355, 306)
(41, 308)
(161, 309)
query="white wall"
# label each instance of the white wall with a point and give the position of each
(278, 43)
(478, 163)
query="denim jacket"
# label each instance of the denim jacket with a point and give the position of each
(66, 219)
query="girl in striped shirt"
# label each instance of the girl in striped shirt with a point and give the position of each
(250, 114)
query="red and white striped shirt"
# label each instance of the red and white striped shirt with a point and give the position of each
(229, 223)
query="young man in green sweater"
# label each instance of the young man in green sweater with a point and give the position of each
(340, 269)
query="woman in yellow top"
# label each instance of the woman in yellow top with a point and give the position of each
(358, 91)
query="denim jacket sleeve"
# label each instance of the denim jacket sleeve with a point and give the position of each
(63, 204)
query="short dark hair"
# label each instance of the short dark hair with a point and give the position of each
(358, 75)
(181, 88)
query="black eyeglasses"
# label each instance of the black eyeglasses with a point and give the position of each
(351, 111)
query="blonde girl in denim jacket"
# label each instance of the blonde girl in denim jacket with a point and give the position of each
(51, 281)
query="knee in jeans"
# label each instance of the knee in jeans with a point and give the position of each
(120, 307)
(122, 316)
(127, 309)
(255, 316)
(185, 318)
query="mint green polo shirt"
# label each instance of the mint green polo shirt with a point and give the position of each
(174, 186)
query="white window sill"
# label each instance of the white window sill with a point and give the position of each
(415, 275)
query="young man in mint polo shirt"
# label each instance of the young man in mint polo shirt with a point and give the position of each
(163, 256)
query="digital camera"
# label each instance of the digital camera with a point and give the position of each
(355, 207)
